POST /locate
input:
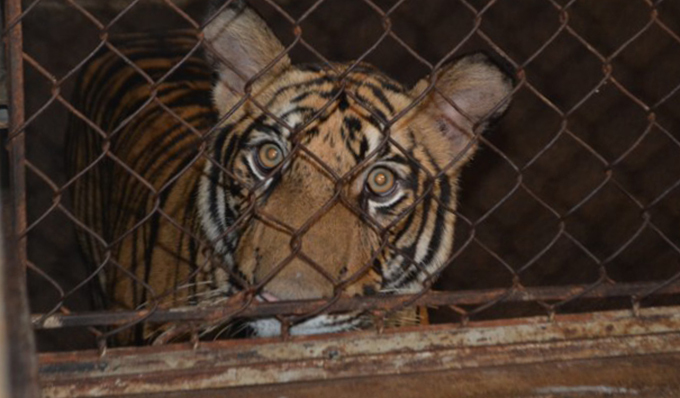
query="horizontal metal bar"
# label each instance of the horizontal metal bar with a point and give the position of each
(432, 299)
(22, 359)
(647, 376)
(224, 364)
(121, 4)
(108, 4)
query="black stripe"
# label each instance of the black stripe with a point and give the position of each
(390, 209)
(435, 241)
(381, 97)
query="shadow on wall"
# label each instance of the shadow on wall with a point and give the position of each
(560, 191)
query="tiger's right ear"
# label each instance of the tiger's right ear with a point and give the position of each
(240, 45)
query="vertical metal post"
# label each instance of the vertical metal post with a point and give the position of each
(23, 375)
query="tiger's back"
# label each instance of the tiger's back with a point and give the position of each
(137, 170)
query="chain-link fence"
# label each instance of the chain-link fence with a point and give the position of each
(570, 204)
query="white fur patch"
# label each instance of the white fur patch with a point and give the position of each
(321, 324)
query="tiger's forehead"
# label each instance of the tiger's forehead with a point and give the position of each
(341, 119)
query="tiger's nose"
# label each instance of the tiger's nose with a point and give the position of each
(298, 281)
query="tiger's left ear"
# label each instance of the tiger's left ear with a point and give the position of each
(240, 45)
(478, 89)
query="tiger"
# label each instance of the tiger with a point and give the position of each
(206, 165)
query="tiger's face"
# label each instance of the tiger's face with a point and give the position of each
(325, 180)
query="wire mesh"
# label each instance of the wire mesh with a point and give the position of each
(570, 205)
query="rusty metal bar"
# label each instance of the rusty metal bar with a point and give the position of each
(166, 369)
(110, 4)
(4, 115)
(432, 299)
(22, 360)
(648, 376)
(4, 313)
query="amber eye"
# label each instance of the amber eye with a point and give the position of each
(381, 181)
(269, 155)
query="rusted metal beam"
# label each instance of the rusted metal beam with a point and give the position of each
(4, 313)
(22, 357)
(121, 4)
(648, 376)
(433, 299)
(110, 4)
(4, 100)
(223, 364)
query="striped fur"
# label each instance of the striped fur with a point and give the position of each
(331, 127)
(156, 145)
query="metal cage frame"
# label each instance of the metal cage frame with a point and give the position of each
(480, 359)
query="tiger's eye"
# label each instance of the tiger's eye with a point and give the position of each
(381, 181)
(269, 156)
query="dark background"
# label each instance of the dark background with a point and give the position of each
(559, 193)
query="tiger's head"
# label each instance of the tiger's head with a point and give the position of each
(329, 179)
